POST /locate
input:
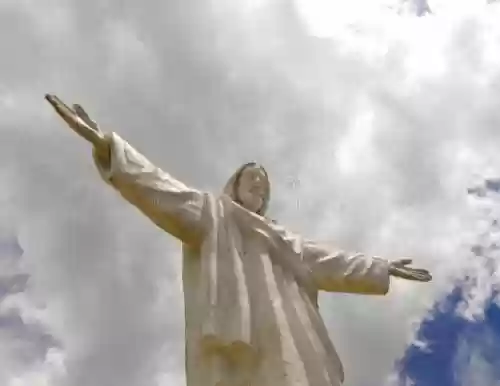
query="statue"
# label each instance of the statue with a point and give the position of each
(250, 286)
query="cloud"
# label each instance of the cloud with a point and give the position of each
(458, 351)
(459, 341)
(25, 341)
(201, 87)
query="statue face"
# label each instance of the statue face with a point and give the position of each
(252, 188)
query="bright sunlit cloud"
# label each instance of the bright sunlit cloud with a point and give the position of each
(374, 28)
(355, 148)
(457, 7)
(325, 17)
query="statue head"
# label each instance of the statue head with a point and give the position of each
(249, 186)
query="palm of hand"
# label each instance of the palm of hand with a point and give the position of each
(78, 120)
(399, 268)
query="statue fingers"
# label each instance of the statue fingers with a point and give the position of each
(402, 262)
(410, 274)
(424, 276)
(64, 111)
(420, 275)
(399, 272)
(74, 121)
(421, 270)
(80, 111)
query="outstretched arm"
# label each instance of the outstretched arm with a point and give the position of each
(169, 203)
(340, 271)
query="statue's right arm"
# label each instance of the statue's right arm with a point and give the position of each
(169, 203)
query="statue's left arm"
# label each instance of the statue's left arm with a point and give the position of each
(340, 271)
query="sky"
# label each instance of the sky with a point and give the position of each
(458, 343)
(377, 120)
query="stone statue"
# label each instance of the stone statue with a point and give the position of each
(250, 286)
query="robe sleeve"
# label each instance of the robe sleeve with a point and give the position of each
(169, 203)
(340, 271)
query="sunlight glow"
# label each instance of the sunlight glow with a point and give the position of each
(372, 28)
(354, 149)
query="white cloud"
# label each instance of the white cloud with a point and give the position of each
(202, 89)
(47, 373)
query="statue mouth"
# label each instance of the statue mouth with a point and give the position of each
(258, 191)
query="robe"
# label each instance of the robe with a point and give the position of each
(250, 286)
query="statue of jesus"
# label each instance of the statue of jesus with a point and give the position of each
(250, 286)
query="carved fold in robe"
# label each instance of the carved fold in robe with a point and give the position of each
(250, 286)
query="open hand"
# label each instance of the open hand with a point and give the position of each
(78, 120)
(399, 268)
